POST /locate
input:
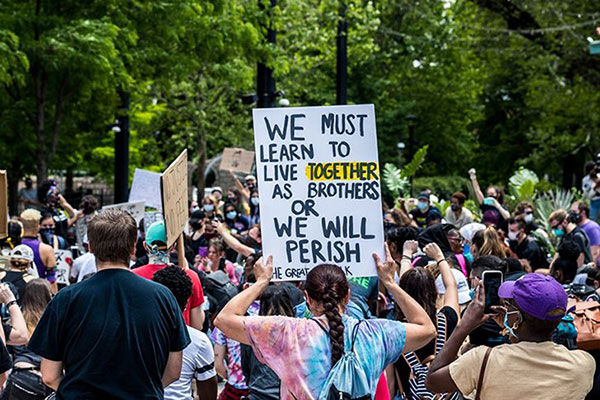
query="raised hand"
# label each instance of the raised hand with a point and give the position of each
(385, 270)
(432, 250)
(263, 272)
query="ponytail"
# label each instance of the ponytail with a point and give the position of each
(328, 285)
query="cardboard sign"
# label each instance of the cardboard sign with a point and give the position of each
(64, 259)
(146, 187)
(174, 190)
(3, 205)
(320, 195)
(135, 208)
(237, 160)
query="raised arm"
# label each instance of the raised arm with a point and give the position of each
(231, 241)
(73, 217)
(476, 188)
(451, 296)
(419, 329)
(439, 379)
(243, 191)
(409, 248)
(231, 318)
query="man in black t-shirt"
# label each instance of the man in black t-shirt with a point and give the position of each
(524, 246)
(564, 228)
(425, 213)
(116, 335)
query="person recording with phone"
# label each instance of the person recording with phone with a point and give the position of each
(532, 366)
(492, 205)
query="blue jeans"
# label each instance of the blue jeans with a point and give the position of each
(594, 209)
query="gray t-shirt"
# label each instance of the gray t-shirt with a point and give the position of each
(198, 362)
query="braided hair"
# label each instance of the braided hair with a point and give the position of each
(328, 285)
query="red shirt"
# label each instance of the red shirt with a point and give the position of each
(195, 300)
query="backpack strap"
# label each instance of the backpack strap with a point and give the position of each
(321, 326)
(355, 333)
(482, 372)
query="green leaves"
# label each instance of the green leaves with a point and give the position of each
(394, 181)
(413, 166)
(13, 62)
(522, 185)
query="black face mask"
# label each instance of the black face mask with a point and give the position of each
(196, 224)
(250, 242)
(47, 234)
(455, 207)
(574, 217)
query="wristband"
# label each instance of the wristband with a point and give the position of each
(405, 257)
(10, 303)
(438, 262)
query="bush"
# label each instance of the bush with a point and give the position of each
(442, 186)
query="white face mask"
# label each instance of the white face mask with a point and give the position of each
(528, 218)
(513, 235)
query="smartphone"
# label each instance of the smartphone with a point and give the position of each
(491, 283)
(488, 201)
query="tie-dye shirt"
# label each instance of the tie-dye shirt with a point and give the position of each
(235, 377)
(300, 352)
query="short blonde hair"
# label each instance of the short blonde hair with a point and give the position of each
(31, 219)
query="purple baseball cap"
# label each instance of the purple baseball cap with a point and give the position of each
(538, 295)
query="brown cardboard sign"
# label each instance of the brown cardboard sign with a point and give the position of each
(237, 160)
(174, 191)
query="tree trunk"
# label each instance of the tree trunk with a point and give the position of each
(200, 171)
(42, 168)
(13, 177)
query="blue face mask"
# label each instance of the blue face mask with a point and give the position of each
(208, 207)
(509, 329)
(231, 214)
(422, 205)
(467, 252)
(254, 201)
(558, 232)
(472, 294)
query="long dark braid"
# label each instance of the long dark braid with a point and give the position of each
(328, 285)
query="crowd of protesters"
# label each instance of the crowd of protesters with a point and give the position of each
(139, 320)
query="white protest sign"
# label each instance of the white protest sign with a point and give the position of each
(174, 189)
(146, 187)
(135, 208)
(320, 195)
(64, 259)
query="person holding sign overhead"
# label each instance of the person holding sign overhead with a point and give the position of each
(281, 342)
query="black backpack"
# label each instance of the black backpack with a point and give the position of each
(219, 290)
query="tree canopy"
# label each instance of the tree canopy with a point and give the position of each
(493, 84)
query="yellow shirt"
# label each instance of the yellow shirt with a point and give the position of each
(526, 370)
